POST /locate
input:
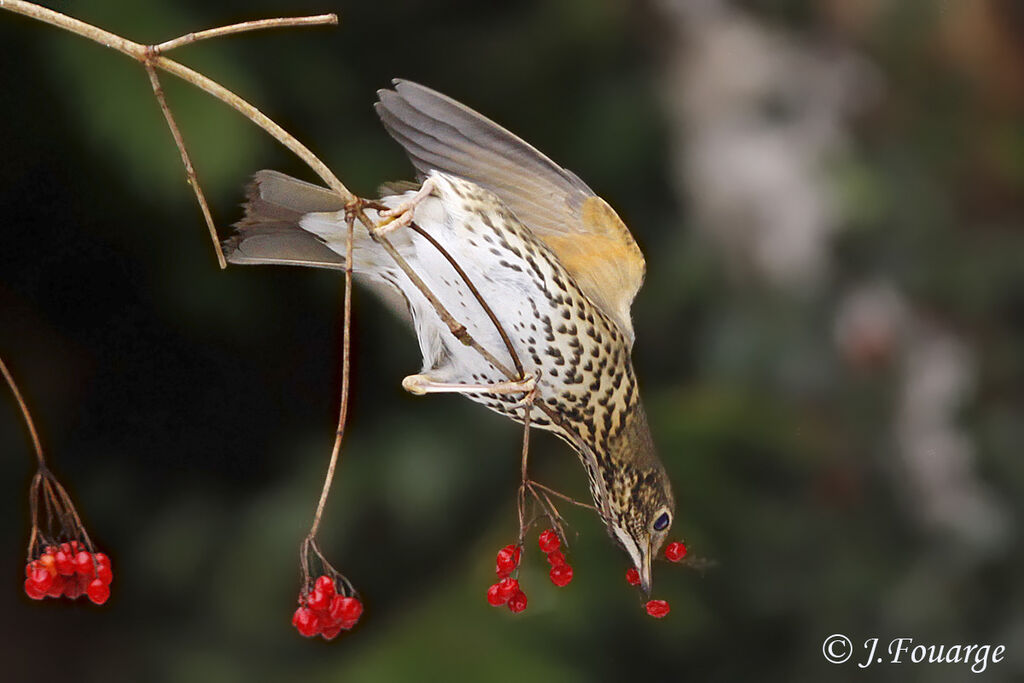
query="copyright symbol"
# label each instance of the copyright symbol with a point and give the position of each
(837, 648)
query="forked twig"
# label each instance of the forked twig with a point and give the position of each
(568, 499)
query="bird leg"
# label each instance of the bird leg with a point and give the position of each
(402, 214)
(421, 384)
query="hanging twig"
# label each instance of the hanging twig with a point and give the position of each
(61, 517)
(345, 367)
(190, 171)
(36, 444)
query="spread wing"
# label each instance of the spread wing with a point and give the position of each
(581, 229)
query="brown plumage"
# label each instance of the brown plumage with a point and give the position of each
(553, 260)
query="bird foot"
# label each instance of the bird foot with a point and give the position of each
(421, 384)
(401, 215)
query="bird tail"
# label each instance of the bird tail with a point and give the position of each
(270, 233)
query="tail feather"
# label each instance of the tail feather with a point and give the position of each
(269, 232)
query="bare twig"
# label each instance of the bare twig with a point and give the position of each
(36, 444)
(476, 294)
(568, 499)
(190, 171)
(457, 328)
(345, 368)
(189, 38)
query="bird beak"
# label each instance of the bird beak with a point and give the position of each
(645, 571)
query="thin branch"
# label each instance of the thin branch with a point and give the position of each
(568, 499)
(476, 294)
(345, 372)
(456, 328)
(286, 22)
(190, 171)
(25, 413)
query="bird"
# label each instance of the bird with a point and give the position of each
(557, 266)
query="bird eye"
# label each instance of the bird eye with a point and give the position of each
(661, 523)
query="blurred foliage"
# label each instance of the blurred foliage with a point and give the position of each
(190, 411)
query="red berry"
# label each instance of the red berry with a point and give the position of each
(62, 560)
(507, 560)
(507, 588)
(74, 586)
(561, 575)
(57, 587)
(318, 601)
(348, 624)
(517, 603)
(657, 608)
(675, 551)
(104, 574)
(494, 595)
(306, 622)
(82, 562)
(549, 541)
(102, 559)
(331, 632)
(556, 558)
(46, 560)
(345, 610)
(98, 591)
(40, 578)
(33, 591)
(632, 577)
(325, 584)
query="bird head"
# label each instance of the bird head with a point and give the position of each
(639, 513)
(633, 494)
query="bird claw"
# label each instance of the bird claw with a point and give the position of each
(421, 384)
(530, 393)
(402, 214)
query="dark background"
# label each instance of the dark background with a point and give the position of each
(829, 342)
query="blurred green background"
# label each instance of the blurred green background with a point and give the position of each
(830, 342)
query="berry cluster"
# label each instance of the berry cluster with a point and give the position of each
(507, 591)
(561, 571)
(323, 611)
(69, 570)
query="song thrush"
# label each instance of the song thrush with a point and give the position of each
(555, 263)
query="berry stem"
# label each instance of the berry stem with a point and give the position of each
(25, 413)
(345, 371)
(521, 498)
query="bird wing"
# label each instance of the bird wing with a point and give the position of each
(583, 231)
